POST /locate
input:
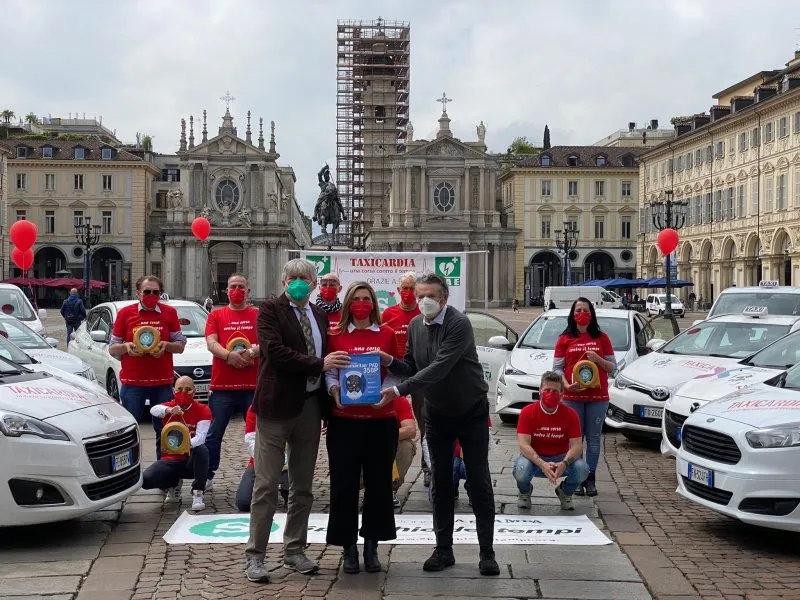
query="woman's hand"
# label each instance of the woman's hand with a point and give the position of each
(594, 357)
(336, 394)
(573, 387)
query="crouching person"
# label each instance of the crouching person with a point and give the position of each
(549, 435)
(244, 494)
(168, 472)
(406, 446)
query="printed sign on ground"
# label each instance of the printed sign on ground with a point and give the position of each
(411, 529)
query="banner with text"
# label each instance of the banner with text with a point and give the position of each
(382, 270)
(411, 529)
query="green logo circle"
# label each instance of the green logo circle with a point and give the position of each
(227, 528)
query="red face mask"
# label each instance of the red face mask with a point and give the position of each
(408, 297)
(236, 295)
(328, 293)
(361, 309)
(549, 400)
(150, 301)
(583, 318)
(183, 399)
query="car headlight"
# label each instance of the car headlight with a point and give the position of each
(622, 382)
(16, 425)
(783, 436)
(88, 374)
(508, 369)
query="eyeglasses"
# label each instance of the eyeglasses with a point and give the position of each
(148, 292)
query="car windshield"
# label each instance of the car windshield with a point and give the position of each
(21, 336)
(193, 321)
(790, 379)
(782, 354)
(725, 339)
(672, 299)
(11, 352)
(777, 304)
(544, 332)
(13, 302)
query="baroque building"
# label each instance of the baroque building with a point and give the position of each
(236, 183)
(4, 154)
(589, 188)
(443, 198)
(738, 169)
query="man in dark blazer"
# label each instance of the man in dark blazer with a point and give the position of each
(288, 402)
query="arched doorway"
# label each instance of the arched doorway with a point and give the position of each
(705, 291)
(783, 261)
(48, 261)
(226, 259)
(545, 270)
(107, 265)
(753, 254)
(728, 270)
(651, 265)
(598, 265)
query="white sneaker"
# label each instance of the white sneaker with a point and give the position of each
(197, 500)
(174, 494)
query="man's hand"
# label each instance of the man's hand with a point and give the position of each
(549, 471)
(386, 359)
(336, 394)
(387, 395)
(175, 410)
(162, 347)
(239, 360)
(336, 360)
(130, 349)
(559, 468)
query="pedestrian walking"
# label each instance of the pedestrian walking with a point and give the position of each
(73, 311)
(583, 340)
(208, 304)
(234, 368)
(288, 403)
(328, 299)
(515, 305)
(442, 360)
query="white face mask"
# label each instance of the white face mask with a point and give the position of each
(429, 307)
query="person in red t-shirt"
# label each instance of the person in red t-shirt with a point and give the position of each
(398, 317)
(244, 493)
(328, 299)
(361, 437)
(550, 444)
(233, 372)
(167, 473)
(583, 340)
(146, 376)
(406, 445)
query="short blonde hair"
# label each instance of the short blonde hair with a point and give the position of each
(410, 277)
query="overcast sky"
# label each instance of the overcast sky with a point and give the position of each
(585, 67)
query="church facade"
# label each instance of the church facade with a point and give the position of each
(249, 199)
(443, 198)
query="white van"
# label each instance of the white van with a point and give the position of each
(14, 302)
(564, 296)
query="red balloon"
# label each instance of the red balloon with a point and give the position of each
(201, 228)
(22, 258)
(23, 234)
(667, 241)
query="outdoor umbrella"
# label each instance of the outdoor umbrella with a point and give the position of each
(660, 282)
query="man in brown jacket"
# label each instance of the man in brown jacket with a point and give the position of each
(288, 403)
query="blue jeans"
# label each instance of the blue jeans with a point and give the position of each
(70, 329)
(591, 415)
(524, 471)
(223, 403)
(133, 399)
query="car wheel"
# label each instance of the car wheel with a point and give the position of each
(508, 419)
(112, 388)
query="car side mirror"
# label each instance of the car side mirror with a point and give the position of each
(655, 344)
(500, 341)
(98, 336)
(42, 314)
(52, 341)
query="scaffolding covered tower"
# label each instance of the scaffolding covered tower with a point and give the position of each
(372, 102)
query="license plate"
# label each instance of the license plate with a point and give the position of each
(120, 461)
(701, 475)
(649, 412)
(201, 388)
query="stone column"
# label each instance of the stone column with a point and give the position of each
(492, 216)
(394, 209)
(246, 259)
(190, 276)
(467, 193)
(482, 219)
(423, 190)
(495, 295)
(408, 217)
(169, 268)
(263, 276)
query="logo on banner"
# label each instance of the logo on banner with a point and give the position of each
(449, 267)
(385, 299)
(222, 528)
(322, 262)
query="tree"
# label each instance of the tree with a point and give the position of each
(31, 119)
(147, 143)
(546, 141)
(7, 115)
(521, 145)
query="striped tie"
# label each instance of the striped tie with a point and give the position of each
(305, 325)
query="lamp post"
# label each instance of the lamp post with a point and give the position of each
(668, 214)
(566, 241)
(87, 236)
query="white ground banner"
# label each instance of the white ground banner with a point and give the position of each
(382, 270)
(411, 529)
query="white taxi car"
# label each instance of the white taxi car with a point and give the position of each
(704, 350)
(756, 370)
(90, 343)
(14, 302)
(740, 455)
(778, 300)
(518, 384)
(65, 450)
(493, 340)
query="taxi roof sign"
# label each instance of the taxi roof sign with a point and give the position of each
(755, 311)
(768, 283)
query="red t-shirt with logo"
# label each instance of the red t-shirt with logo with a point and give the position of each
(191, 417)
(398, 319)
(573, 350)
(227, 323)
(550, 434)
(361, 341)
(333, 320)
(146, 371)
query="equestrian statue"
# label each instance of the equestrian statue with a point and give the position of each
(329, 208)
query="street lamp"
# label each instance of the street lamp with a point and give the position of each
(87, 235)
(566, 241)
(668, 214)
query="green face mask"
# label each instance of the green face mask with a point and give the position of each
(298, 290)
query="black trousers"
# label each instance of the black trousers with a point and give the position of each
(244, 493)
(166, 473)
(355, 445)
(472, 432)
(418, 406)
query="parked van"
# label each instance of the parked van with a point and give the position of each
(564, 296)
(14, 302)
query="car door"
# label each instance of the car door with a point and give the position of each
(485, 327)
(98, 355)
(81, 342)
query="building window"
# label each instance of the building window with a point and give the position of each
(698, 157)
(627, 161)
(626, 189)
(709, 153)
(720, 152)
(600, 161)
(22, 181)
(105, 154)
(155, 269)
(572, 188)
(769, 132)
(544, 160)
(444, 197)
(106, 183)
(77, 218)
(797, 187)
(545, 187)
(718, 206)
(161, 199)
(79, 182)
(741, 201)
(107, 222)
(781, 192)
(571, 225)
(680, 164)
(50, 181)
(689, 160)
(546, 227)
(80, 153)
(599, 188)
(49, 221)
(626, 228)
(742, 142)
(599, 223)
(380, 114)
(730, 208)
(698, 210)
(688, 222)
(22, 152)
(783, 126)
(707, 203)
(754, 194)
(47, 152)
(227, 195)
(22, 215)
(572, 161)
(670, 166)
(171, 174)
(797, 122)
(755, 137)
(768, 204)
